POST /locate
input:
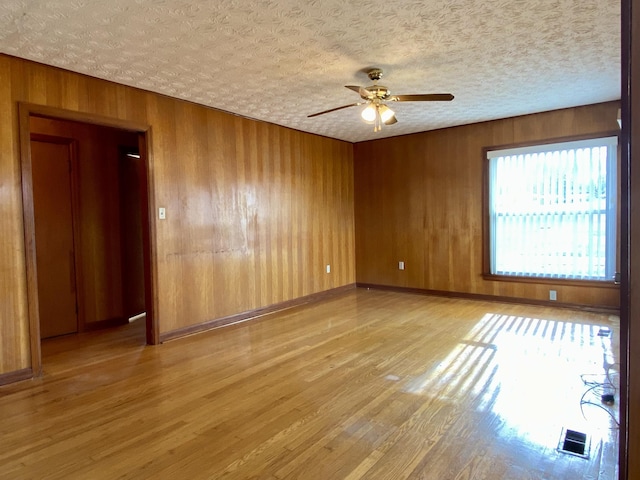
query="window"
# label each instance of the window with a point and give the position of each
(552, 210)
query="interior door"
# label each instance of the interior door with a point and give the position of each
(55, 257)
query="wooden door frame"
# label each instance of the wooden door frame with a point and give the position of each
(25, 111)
(629, 438)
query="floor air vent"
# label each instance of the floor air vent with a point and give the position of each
(574, 443)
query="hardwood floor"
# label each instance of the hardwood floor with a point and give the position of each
(368, 385)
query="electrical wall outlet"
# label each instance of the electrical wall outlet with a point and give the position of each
(400, 265)
(553, 295)
(328, 268)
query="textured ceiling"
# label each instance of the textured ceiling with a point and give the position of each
(281, 60)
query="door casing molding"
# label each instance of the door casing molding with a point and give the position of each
(25, 111)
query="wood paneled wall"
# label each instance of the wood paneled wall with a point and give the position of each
(418, 199)
(254, 211)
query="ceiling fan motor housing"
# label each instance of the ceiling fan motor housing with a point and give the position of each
(378, 91)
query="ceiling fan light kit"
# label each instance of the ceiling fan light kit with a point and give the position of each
(378, 113)
(374, 96)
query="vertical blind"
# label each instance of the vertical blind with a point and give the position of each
(552, 210)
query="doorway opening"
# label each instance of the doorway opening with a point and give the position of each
(86, 197)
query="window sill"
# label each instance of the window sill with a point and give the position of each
(552, 281)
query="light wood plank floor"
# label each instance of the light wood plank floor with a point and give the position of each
(367, 385)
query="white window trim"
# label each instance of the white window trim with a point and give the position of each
(611, 200)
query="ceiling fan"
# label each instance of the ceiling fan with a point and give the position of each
(377, 112)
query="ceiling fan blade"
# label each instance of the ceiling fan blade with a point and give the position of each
(425, 97)
(363, 92)
(334, 109)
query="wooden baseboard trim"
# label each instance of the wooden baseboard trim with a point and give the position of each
(17, 376)
(252, 314)
(493, 298)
